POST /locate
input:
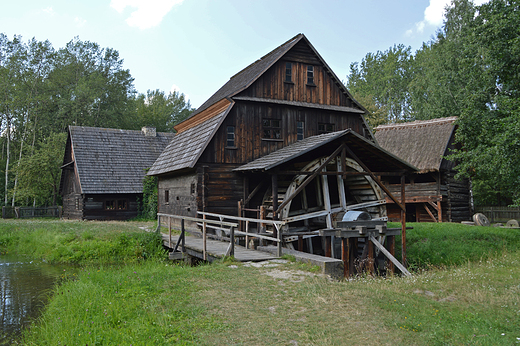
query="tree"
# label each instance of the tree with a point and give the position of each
(39, 174)
(490, 120)
(160, 111)
(382, 80)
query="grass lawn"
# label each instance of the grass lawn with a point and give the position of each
(154, 302)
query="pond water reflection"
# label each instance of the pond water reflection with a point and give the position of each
(24, 290)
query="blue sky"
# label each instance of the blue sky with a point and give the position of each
(194, 46)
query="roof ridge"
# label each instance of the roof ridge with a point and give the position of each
(268, 54)
(437, 121)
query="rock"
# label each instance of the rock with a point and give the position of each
(481, 220)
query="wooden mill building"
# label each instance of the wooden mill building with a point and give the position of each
(283, 135)
(432, 194)
(103, 171)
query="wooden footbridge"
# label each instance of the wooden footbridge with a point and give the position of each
(197, 244)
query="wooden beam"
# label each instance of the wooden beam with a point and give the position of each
(389, 256)
(309, 178)
(253, 193)
(403, 220)
(429, 212)
(378, 182)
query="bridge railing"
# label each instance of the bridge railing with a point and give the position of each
(224, 223)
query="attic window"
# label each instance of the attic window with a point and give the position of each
(288, 72)
(310, 75)
(272, 129)
(230, 142)
(325, 128)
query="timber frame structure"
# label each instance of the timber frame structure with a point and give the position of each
(103, 170)
(432, 194)
(283, 139)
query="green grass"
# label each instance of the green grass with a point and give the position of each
(447, 244)
(466, 295)
(77, 242)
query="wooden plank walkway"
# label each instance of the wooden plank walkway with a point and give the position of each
(217, 249)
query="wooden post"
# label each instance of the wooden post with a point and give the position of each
(328, 247)
(390, 246)
(345, 256)
(353, 249)
(232, 240)
(274, 186)
(183, 237)
(204, 242)
(439, 208)
(370, 257)
(403, 221)
(170, 232)
(158, 222)
(279, 243)
(247, 236)
(240, 207)
(300, 243)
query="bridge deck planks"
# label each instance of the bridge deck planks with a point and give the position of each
(217, 249)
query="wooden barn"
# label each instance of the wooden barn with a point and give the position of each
(282, 137)
(432, 194)
(103, 170)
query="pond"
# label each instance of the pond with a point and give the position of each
(24, 290)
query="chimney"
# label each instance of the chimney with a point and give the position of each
(149, 131)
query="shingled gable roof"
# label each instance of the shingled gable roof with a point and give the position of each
(112, 160)
(376, 158)
(243, 79)
(186, 147)
(421, 143)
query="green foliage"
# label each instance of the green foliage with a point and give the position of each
(161, 111)
(382, 81)
(43, 91)
(469, 70)
(148, 208)
(39, 173)
(77, 243)
(449, 244)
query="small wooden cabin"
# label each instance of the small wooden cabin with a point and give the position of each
(432, 194)
(103, 170)
(282, 135)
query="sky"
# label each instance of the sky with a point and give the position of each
(195, 46)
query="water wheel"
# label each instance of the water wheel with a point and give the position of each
(324, 199)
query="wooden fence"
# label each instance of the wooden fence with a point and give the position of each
(30, 212)
(499, 214)
(227, 224)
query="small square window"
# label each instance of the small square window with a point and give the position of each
(299, 130)
(110, 205)
(272, 129)
(310, 74)
(121, 204)
(230, 142)
(325, 128)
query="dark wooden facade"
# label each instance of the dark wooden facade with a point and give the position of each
(432, 194)
(262, 92)
(103, 169)
(282, 139)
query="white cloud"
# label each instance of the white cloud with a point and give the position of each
(80, 22)
(148, 13)
(174, 88)
(49, 10)
(434, 15)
